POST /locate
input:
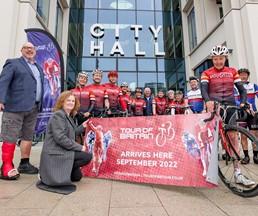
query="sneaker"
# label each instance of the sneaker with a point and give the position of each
(241, 179)
(255, 159)
(28, 168)
(245, 160)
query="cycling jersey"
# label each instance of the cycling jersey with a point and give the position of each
(100, 95)
(113, 92)
(221, 85)
(252, 91)
(138, 105)
(161, 105)
(170, 102)
(179, 106)
(195, 100)
(85, 97)
(124, 102)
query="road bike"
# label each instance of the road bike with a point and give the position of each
(229, 144)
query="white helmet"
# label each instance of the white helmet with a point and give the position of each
(219, 50)
(97, 71)
(83, 73)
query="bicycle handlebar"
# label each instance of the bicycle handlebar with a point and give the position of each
(216, 106)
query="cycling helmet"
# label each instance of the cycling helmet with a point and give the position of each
(244, 70)
(113, 73)
(193, 78)
(219, 50)
(83, 73)
(124, 84)
(97, 71)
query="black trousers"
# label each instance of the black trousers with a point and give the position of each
(80, 159)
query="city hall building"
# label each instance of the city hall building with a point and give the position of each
(154, 43)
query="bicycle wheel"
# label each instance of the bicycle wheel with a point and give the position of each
(234, 154)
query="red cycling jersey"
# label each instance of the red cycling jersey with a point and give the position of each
(161, 105)
(85, 96)
(170, 102)
(138, 105)
(221, 84)
(100, 94)
(113, 92)
(179, 106)
(124, 102)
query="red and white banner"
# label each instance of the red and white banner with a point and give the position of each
(171, 150)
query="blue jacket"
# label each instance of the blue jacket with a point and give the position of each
(18, 86)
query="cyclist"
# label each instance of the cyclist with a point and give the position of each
(160, 105)
(194, 96)
(124, 98)
(179, 105)
(217, 84)
(101, 96)
(252, 92)
(85, 96)
(170, 99)
(138, 103)
(113, 91)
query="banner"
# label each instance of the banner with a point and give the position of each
(171, 150)
(49, 57)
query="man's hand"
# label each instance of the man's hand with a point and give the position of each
(210, 106)
(1, 107)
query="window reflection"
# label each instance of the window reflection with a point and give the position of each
(162, 80)
(147, 80)
(145, 4)
(147, 64)
(126, 64)
(126, 4)
(90, 3)
(88, 64)
(108, 4)
(129, 77)
(107, 64)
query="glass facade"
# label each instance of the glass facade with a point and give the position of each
(161, 65)
(43, 10)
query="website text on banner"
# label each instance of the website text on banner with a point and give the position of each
(171, 150)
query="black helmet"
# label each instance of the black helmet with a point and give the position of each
(139, 90)
(244, 70)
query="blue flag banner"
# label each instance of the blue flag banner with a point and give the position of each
(49, 57)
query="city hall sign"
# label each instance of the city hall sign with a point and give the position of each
(98, 31)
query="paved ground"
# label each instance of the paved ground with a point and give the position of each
(96, 197)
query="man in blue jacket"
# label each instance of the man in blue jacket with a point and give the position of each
(21, 90)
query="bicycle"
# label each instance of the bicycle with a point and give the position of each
(226, 143)
(166, 132)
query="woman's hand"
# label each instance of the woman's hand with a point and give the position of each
(84, 124)
(84, 148)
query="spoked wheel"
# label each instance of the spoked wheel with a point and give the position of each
(232, 159)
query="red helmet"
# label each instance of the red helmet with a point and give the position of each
(113, 73)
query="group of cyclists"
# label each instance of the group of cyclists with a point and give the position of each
(111, 100)
(221, 84)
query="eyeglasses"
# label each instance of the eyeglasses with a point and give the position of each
(27, 47)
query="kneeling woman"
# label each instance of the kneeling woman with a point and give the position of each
(61, 157)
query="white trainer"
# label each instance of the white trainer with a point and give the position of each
(241, 179)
